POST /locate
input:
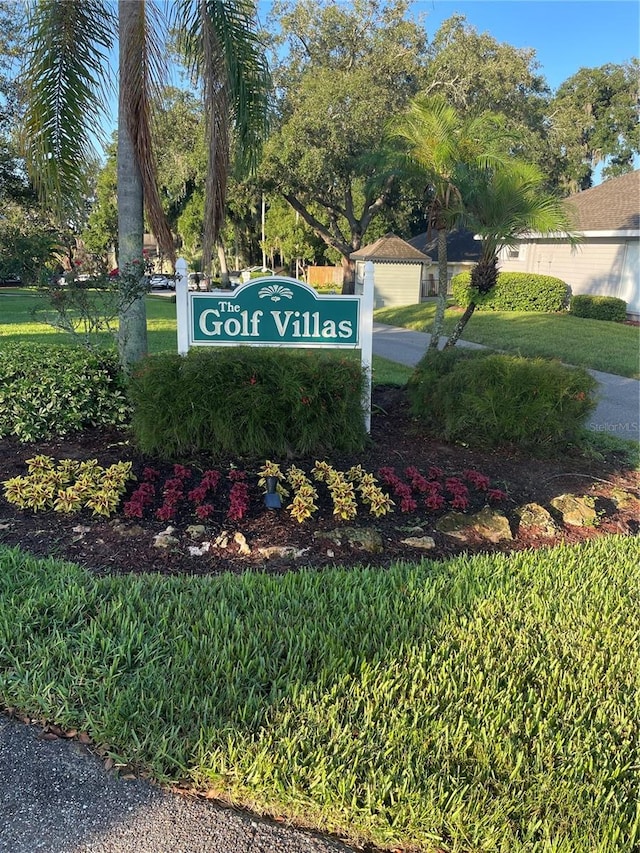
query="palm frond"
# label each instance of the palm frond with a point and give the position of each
(141, 76)
(223, 52)
(505, 203)
(64, 76)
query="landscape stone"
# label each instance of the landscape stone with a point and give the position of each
(491, 524)
(424, 542)
(282, 552)
(127, 530)
(454, 524)
(576, 510)
(362, 538)
(622, 499)
(535, 515)
(165, 539)
(240, 540)
(221, 540)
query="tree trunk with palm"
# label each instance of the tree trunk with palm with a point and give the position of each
(132, 332)
(66, 57)
(437, 328)
(484, 276)
(502, 203)
(439, 146)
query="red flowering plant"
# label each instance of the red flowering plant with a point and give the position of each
(184, 491)
(238, 496)
(436, 491)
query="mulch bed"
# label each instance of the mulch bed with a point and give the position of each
(121, 545)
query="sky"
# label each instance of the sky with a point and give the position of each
(566, 34)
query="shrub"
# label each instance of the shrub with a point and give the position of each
(489, 399)
(599, 308)
(48, 390)
(245, 401)
(514, 291)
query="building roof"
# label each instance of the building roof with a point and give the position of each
(391, 249)
(461, 246)
(613, 205)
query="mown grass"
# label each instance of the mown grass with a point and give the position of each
(485, 704)
(610, 347)
(17, 323)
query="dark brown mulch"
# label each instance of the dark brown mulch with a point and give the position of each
(119, 545)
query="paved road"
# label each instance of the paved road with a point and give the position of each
(55, 797)
(618, 410)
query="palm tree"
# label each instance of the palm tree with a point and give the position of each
(439, 144)
(501, 205)
(67, 56)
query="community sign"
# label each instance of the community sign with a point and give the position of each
(273, 311)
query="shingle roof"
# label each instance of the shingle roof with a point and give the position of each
(390, 248)
(461, 246)
(611, 206)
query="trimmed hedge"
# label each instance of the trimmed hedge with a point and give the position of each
(514, 291)
(599, 307)
(52, 390)
(248, 402)
(488, 399)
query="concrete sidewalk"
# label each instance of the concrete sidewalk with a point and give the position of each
(618, 409)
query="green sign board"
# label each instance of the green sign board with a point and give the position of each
(271, 312)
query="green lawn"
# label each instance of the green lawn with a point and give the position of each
(17, 323)
(610, 347)
(480, 704)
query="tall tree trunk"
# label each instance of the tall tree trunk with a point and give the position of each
(348, 276)
(222, 260)
(443, 283)
(132, 335)
(483, 279)
(462, 322)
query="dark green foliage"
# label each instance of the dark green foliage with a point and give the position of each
(48, 390)
(248, 402)
(599, 308)
(487, 399)
(514, 291)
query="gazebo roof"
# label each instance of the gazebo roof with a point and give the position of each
(391, 249)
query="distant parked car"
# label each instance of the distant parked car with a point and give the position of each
(11, 281)
(158, 281)
(197, 281)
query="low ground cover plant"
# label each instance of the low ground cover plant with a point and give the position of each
(69, 486)
(487, 399)
(513, 291)
(245, 401)
(50, 390)
(475, 704)
(599, 307)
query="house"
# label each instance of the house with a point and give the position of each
(463, 251)
(606, 261)
(398, 271)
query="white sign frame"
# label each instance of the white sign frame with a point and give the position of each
(364, 337)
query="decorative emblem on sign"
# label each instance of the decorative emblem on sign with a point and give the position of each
(275, 292)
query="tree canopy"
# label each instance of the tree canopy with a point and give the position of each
(345, 69)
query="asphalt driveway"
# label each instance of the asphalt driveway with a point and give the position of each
(56, 797)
